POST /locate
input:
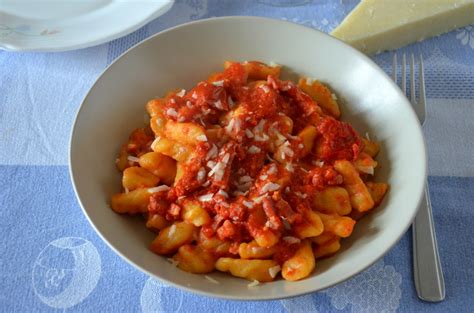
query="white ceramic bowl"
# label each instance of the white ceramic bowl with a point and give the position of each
(180, 57)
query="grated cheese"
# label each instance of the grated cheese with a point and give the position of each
(212, 152)
(133, 159)
(272, 169)
(366, 169)
(254, 149)
(265, 88)
(172, 230)
(226, 158)
(248, 133)
(253, 284)
(181, 93)
(274, 270)
(201, 174)
(159, 189)
(248, 204)
(291, 240)
(273, 64)
(218, 105)
(218, 83)
(171, 112)
(206, 197)
(201, 137)
(318, 163)
(212, 280)
(173, 261)
(223, 193)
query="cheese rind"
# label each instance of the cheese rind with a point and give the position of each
(378, 25)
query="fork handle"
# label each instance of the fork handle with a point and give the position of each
(428, 275)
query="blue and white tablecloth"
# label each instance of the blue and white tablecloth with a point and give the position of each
(51, 259)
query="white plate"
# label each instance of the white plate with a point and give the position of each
(184, 55)
(59, 25)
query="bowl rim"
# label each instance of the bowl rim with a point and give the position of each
(370, 62)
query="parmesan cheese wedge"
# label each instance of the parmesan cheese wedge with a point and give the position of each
(378, 25)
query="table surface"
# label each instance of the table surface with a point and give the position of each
(52, 259)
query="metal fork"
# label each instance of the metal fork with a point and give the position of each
(428, 274)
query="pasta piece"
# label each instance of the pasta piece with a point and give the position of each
(214, 245)
(322, 95)
(323, 238)
(185, 133)
(155, 107)
(137, 177)
(160, 165)
(173, 149)
(194, 213)
(194, 259)
(257, 70)
(263, 236)
(372, 148)
(252, 250)
(215, 134)
(365, 164)
(307, 135)
(249, 269)
(332, 200)
(122, 161)
(358, 192)
(377, 191)
(156, 223)
(341, 226)
(172, 237)
(301, 264)
(133, 202)
(312, 225)
(327, 249)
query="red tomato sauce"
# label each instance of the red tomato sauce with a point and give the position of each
(248, 193)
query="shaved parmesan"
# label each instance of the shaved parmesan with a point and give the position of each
(181, 93)
(159, 189)
(212, 280)
(248, 133)
(218, 105)
(245, 179)
(201, 174)
(274, 270)
(173, 261)
(206, 197)
(201, 137)
(265, 88)
(218, 83)
(212, 152)
(366, 169)
(223, 193)
(255, 283)
(248, 204)
(133, 159)
(291, 240)
(272, 169)
(172, 230)
(318, 163)
(230, 101)
(171, 112)
(254, 149)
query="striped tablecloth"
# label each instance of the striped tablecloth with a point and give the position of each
(51, 259)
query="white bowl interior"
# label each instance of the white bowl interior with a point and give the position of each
(182, 56)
